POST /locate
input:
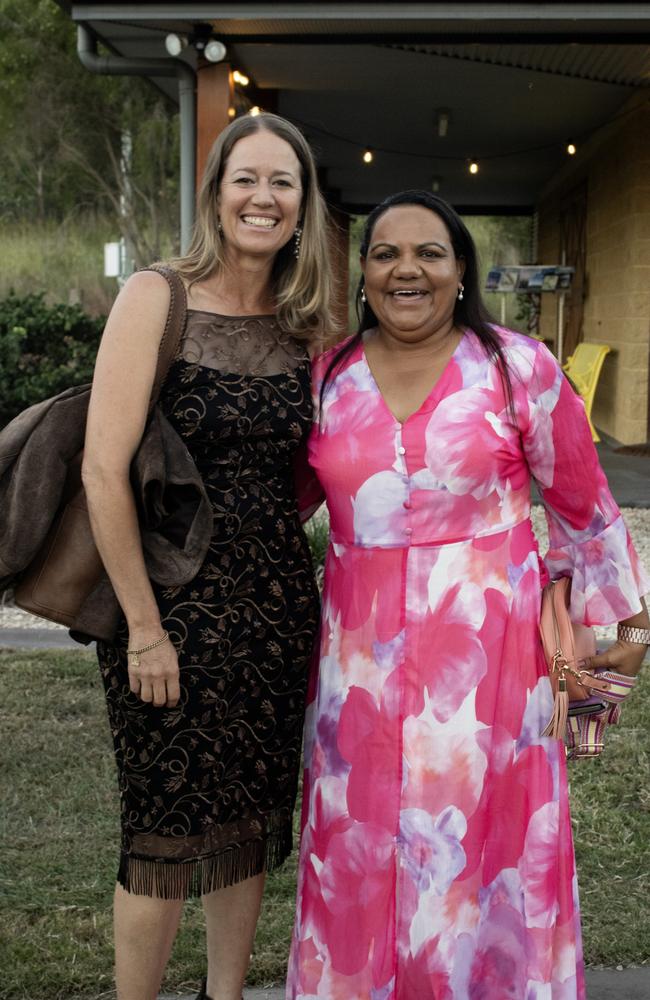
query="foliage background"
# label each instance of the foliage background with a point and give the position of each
(63, 174)
(43, 350)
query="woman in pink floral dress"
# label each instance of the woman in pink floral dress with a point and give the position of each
(437, 860)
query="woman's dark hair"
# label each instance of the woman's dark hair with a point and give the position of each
(469, 312)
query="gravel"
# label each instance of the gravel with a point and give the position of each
(637, 519)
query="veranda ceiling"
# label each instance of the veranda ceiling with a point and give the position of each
(517, 80)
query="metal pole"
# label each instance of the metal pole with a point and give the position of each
(187, 105)
(118, 66)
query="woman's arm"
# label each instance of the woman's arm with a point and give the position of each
(623, 656)
(588, 539)
(124, 374)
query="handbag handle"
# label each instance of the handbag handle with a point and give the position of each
(173, 332)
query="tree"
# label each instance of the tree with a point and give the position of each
(64, 129)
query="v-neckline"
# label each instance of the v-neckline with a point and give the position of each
(430, 396)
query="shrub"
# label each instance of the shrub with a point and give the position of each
(43, 350)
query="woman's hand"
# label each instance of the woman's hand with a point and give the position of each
(154, 675)
(622, 657)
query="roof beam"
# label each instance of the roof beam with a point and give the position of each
(534, 13)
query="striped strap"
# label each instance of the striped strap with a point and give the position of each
(585, 734)
(619, 686)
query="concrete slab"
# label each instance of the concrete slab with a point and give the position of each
(628, 477)
(612, 984)
(602, 984)
(37, 638)
(272, 993)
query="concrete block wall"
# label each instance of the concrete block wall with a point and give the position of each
(616, 167)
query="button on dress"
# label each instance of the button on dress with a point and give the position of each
(436, 857)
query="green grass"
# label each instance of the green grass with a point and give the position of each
(59, 829)
(65, 260)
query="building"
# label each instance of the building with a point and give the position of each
(397, 95)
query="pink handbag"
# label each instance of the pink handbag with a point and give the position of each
(584, 702)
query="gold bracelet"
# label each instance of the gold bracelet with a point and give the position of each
(135, 653)
(630, 633)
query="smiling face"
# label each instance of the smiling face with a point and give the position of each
(260, 195)
(411, 273)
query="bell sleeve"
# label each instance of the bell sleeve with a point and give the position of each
(588, 538)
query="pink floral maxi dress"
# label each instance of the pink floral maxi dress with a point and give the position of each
(436, 859)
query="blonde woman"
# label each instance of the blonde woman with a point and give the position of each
(207, 715)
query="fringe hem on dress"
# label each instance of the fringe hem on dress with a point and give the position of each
(180, 879)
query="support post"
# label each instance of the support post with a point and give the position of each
(340, 259)
(214, 98)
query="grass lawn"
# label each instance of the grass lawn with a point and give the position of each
(58, 825)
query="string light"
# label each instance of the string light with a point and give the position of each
(571, 149)
(240, 78)
(231, 112)
(435, 184)
(255, 111)
(368, 156)
(473, 167)
(451, 158)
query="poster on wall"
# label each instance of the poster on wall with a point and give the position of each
(529, 279)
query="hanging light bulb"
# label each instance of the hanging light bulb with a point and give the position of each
(473, 167)
(231, 112)
(240, 78)
(571, 148)
(255, 111)
(368, 156)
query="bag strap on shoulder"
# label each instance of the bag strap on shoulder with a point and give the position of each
(174, 329)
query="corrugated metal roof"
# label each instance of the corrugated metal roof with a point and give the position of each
(372, 17)
(628, 65)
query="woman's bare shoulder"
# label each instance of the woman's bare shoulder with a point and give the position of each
(149, 286)
(142, 304)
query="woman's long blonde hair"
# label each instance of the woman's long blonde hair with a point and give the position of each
(302, 286)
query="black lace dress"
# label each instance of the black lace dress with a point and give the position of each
(208, 788)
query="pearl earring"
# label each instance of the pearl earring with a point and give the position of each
(363, 296)
(461, 290)
(297, 236)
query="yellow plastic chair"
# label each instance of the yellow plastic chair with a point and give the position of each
(583, 369)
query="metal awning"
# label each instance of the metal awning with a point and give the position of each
(517, 80)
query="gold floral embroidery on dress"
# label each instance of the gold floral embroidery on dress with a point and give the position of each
(250, 345)
(208, 788)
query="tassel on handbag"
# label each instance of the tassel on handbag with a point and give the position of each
(565, 644)
(584, 701)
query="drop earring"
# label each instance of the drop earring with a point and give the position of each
(363, 296)
(461, 292)
(297, 237)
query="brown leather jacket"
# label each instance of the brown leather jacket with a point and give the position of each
(37, 449)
